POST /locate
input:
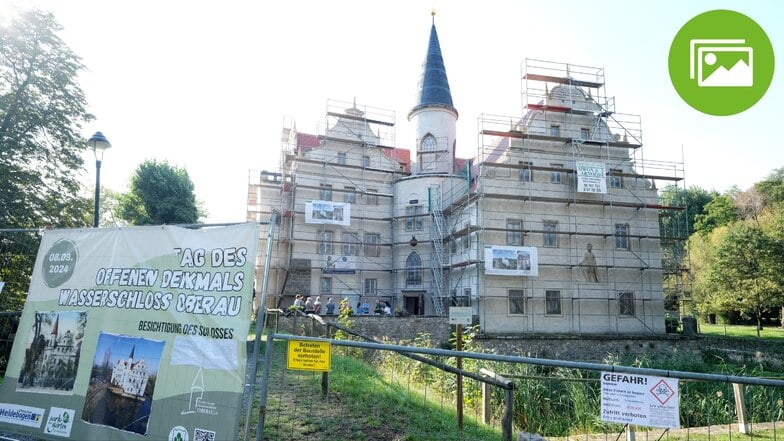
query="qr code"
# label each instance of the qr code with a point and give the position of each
(203, 435)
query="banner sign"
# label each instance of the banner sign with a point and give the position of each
(328, 212)
(511, 261)
(133, 332)
(591, 177)
(337, 264)
(640, 399)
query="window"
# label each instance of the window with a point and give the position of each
(585, 134)
(325, 245)
(514, 232)
(366, 161)
(413, 271)
(552, 302)
(555, 131)
(626, 304)
(555, 175)
(413, 218)
(371, 196)
(326, 286)
(526, 174)
(325, 192)
(341, 158)
(622, 237)
(616, 181)
(349, 195)
(428, 152)
(371, 287)
(371, 244)
(350, 244)
(550, 234)
(466, 242)
(516, 302)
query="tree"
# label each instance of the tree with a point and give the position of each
(772, 187)
(718, 212)
(748, 271)
(160, 194)
(675, 226)
(42, 110)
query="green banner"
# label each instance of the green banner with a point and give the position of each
(133, 333)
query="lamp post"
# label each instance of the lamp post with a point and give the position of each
(99, 144)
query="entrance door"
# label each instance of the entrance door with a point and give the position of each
(412, 305)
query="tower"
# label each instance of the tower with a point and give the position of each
(434, 115)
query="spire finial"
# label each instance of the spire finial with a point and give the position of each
(433, 14)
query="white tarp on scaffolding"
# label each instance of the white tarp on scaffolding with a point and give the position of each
(328, 212)
(511, 261)
(591, 177)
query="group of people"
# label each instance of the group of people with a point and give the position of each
(311, 305)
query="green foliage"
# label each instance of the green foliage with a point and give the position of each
(718, 212)
(772, 187)
(159, 194)
(747, 273)
(42, 111)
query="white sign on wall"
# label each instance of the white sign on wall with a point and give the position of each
(640, 399)
(511, 261)
(328, 212)
(591, 177)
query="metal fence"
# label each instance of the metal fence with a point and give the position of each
(502, 396)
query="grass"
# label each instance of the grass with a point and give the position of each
(361, 404)
(743, 332)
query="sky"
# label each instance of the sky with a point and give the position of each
(206, 85)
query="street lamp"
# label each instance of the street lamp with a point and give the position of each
(99, 144)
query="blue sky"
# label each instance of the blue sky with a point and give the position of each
(206, 85)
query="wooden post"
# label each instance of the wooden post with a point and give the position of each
(506, 418)
(740, 409)
(459, 378)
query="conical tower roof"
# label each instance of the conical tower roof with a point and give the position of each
(433, 88)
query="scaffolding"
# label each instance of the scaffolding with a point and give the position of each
(528, 193)
(566, 176)
(350, 166)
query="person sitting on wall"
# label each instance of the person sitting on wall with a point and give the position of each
(309, 306)
(330, 307)
(379, 308)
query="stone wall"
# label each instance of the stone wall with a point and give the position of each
(594, 348)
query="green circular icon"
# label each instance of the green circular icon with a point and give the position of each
(721, 62)
(59, 263)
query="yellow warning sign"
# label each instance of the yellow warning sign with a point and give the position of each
(309, 355)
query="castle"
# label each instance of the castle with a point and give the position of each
(551, 227)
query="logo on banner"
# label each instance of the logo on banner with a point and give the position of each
(21, 415)
(178, 433)
(60, 422)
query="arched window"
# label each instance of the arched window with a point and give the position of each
(428, 152)
(413, 270)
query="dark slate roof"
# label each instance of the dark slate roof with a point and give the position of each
(433, 88)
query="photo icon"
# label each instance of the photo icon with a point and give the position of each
(721, 63)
